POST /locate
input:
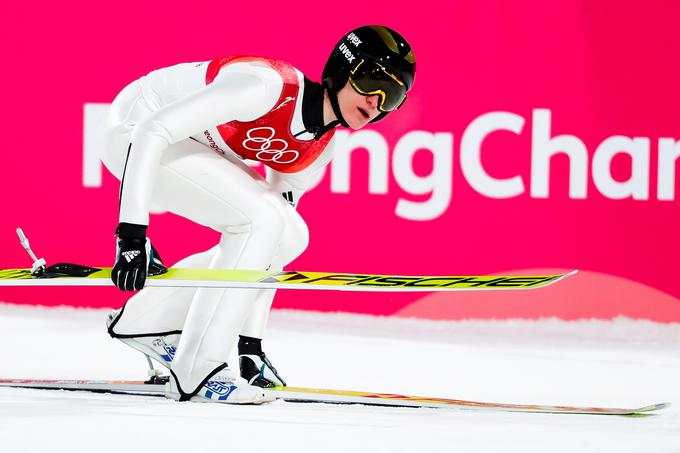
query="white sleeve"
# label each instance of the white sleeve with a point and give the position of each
(236, 95)
(293, 185)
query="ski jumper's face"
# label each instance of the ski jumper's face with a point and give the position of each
(357, 109)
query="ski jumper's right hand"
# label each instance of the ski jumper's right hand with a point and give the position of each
(133, 251)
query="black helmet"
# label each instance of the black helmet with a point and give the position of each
(376, 60)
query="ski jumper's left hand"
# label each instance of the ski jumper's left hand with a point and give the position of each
(132, 257)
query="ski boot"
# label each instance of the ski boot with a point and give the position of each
(161, 348)
(254, 365)
(223, 387)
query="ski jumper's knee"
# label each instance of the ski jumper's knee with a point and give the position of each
(294, 240)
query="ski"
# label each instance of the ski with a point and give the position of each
(75, 275)
(66, 274)
(156, 388)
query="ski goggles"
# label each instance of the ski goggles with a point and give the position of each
(369, 78)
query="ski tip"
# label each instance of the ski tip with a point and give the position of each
(653, 407)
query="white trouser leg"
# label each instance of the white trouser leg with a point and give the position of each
(293, 243)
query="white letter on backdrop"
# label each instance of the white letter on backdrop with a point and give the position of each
(438, 182)
(470, 154)
(345, 144)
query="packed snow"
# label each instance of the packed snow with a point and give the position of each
(621, 363)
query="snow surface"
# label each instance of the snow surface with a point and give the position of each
(619, 363)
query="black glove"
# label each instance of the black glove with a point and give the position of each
(132, 257)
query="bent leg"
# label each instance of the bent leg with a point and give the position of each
(231, 198)
(293, 242)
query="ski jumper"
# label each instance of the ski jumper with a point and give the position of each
(177, 138)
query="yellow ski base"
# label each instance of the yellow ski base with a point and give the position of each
(210, 278)
(388, 399)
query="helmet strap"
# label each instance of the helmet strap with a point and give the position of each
(333, 97)
(379, 117)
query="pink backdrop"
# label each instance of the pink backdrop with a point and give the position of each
(589, 70)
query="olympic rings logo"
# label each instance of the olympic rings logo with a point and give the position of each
(269, 149)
